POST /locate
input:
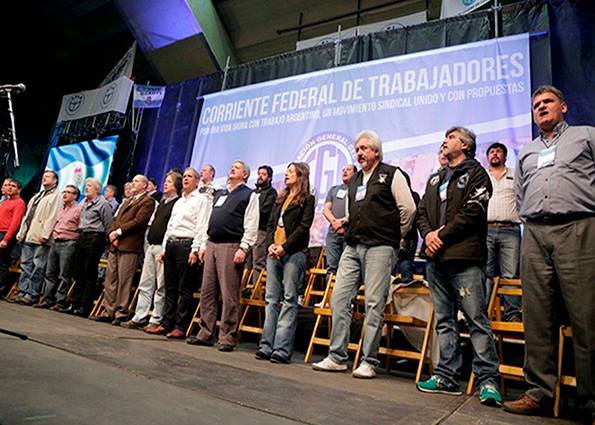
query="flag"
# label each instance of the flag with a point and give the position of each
(459, 7)
(75, 163)
(148, 96)
(123, 68)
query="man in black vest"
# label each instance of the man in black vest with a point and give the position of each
(453, 221)
(232, 230)
(380, 209)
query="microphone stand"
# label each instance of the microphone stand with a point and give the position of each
(12, 128)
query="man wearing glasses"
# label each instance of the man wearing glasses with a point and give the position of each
(60, 259)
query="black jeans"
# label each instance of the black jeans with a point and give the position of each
(5, 260)
(90, 247)
(181, 280)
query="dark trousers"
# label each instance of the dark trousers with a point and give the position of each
(559, 266)
(117, 286)
(5, 260)
(58, 273)
(181, 281)
(220, 276)
(90, 248)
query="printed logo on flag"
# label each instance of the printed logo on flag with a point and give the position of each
(75, 103)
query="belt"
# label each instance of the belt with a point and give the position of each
(502, 224)
(560, 218)
(64, 240)
(179, 239)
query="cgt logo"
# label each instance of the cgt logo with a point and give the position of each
(326, 154)
(74, 103)
(108, 96)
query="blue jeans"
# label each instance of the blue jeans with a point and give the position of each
(372, 265)
(60, 267)
(334, 248)
(504, 251)
(284, 278)
(34, 258)
(453, 285)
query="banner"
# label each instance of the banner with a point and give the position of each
(109, 98)
(408, 100)
(123, 68)
(74, 163)
(459, 7)
(147, 96)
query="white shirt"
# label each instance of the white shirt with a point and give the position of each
(502, 206)
(189, 218)
(251, 218)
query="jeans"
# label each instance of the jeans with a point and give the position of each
(453, 285)
(372, 265)
(151, 287)
(5, 260)
(34, 258)
(504, 249)
(284, 278)
(334, 248)
(58, 276)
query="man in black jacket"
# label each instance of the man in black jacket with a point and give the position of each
(266, 199)
(452, 219)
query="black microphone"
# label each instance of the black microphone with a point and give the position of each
(17, 88)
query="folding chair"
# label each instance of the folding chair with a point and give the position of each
(255, 300)
(316, 281)
(504, 331)
(563, 380)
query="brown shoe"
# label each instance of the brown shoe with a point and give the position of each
(131, 324)
(524, 405)
(155, 330)
(176, 334)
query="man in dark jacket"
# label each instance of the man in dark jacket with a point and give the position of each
(452, 219)
(266, 199)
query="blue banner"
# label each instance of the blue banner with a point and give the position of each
(408, 100)
(74, 163)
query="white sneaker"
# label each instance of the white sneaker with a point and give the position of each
(364, 371)
(329, 365)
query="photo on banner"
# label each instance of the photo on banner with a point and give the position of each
(408, 100)
(76, 162)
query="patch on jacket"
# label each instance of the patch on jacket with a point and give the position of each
(434, 180)
(462, 181)
(382, 177)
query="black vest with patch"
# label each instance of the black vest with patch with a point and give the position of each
(375, 220)
(226, 224)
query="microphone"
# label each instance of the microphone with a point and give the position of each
(17, 88)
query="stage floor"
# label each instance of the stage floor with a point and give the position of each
(75, 371)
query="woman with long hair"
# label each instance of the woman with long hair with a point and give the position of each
(288, 234)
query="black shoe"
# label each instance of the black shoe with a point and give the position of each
(259, 355)
(64, 308)
(225, 348)
(192, 340)
(78, 312)
(276, 358)
(103, 319)
(117, 321)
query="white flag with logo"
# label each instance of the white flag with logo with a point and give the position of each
(459, 7)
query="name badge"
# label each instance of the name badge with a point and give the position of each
(341, 193)
(443, 191)
(546, 157)
(220, 201)
(360, 193)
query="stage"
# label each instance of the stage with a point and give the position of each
(75, 371)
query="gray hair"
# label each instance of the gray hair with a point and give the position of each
(196, 173)
(467, 137)
(373, 140)
(245, 166)
(95, 182)
(548, 89)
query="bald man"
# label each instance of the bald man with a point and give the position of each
(126, 239)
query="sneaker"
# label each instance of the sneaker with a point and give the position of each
(438, 385)
(260, 355)
(329, 365)
(364, 371)
(489, 395)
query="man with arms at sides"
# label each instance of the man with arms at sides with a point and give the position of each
(555, 188)
(452, 219)
(334, 212)
(266, 199)
(504, 230)
(126, 239)
(12, 210)
(206, 185)
(152, 280)
(109, 193)
(381, 209)
(231, 231)
(35, 233)
(58, 276)
(180, 247)
(96, 220)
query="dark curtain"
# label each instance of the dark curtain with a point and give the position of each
(167, 135)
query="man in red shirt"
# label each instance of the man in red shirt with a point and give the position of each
(12, 210)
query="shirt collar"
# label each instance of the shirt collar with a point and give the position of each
(558, 129)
